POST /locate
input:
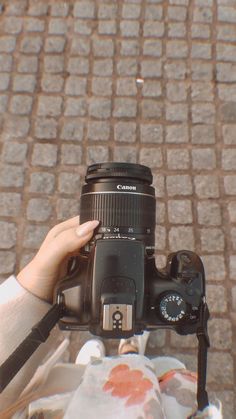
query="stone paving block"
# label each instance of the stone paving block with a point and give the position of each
(152, 48)
(151, 133)
(71, 154)
(201, 31)
(126, 87)
(175, 70)
(160, 238)
(125, 154)
(151, 109)
(227, 92)
(181, 238)
(202, 14)
(75, 107)
(67, 208)
(178, 159)
(13, 25)
(177, 133)
(45, 128)
(176, 92)
(179, 185)
(107, 27)
(59, 9)
(226, 32)
(176, 112)
(49, 105)
(8, 235)
(21, 104)
(82, 27)
(180, 211)
(4, 81)
(151, 156)
(100, 108)
(125, 108)
(57, 26)
(38, 9)
(52, 83)
(226, 72)
(226, 14)
(103, 67)
(203, 113)
(127, 67)
(129, 28)
(216, 298)
(38, 209)
(72, 130)
(177, 13)
(7, 262)
(5, 62)
(203, 158)
(206, 186)
(131, 11)
(232, 267)
(153, 12)
(103, 47)
(10, 204)
(80, 46)
(14, 152)
(230, 185)
(178, 341)
(160, 213)
(16, 126)
(75, 86)
(202, 71)
(212, 240)
(24, 83)
(233, 237)
(98, 130)
(220, 369)
(203, 134)
(68, 183)
(107, 11)
(84, 9)
(78, 65)
(7, 44)
(151, 29)
(97, 154)
(27, 64)
(102, 86)
(42, 182)
(209, 213)
(202, 51)
(202, 91)
(159, 185)
(220, 332)
(125, 131)
(31, 45)
(3, 103)
(54, 44)
(44, 155)
(53, 64)
(34, 25)
(232, 211)
(214, 272)
(177, 30)
(176, 49)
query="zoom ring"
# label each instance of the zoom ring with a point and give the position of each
(114, 209)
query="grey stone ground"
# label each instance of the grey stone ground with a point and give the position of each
(134, 81)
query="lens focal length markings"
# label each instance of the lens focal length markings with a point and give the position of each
(124, 230)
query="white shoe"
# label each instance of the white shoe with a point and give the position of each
(138, 341)
(92, 349)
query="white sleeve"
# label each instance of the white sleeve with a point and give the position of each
(19, 312)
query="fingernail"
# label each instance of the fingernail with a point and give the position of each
(86, 228)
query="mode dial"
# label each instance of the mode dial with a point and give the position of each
(172, 307)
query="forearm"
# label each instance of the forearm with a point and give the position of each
(19, 311)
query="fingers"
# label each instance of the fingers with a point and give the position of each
(66, 242)
(58, 228)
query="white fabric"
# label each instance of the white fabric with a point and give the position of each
(19, 312)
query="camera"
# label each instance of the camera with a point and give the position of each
(113, 289)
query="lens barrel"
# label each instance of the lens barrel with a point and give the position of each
(120, 195)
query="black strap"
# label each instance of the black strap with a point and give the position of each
(23, 352)
(203, 345)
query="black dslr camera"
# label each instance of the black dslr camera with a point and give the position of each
(113, 289)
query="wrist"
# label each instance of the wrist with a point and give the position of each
(29, 278)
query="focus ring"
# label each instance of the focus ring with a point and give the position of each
(124, 209)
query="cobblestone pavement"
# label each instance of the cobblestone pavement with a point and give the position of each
(133, 81)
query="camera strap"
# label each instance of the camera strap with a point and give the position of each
(39, 334)
(203, 345)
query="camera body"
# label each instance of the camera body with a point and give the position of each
(113, 288)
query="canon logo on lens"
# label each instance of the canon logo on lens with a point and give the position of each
(126, 187)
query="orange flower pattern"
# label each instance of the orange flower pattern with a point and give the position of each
(128, 383)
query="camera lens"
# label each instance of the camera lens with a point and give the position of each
(120, 195)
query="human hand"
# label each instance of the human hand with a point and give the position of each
(49, 264)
